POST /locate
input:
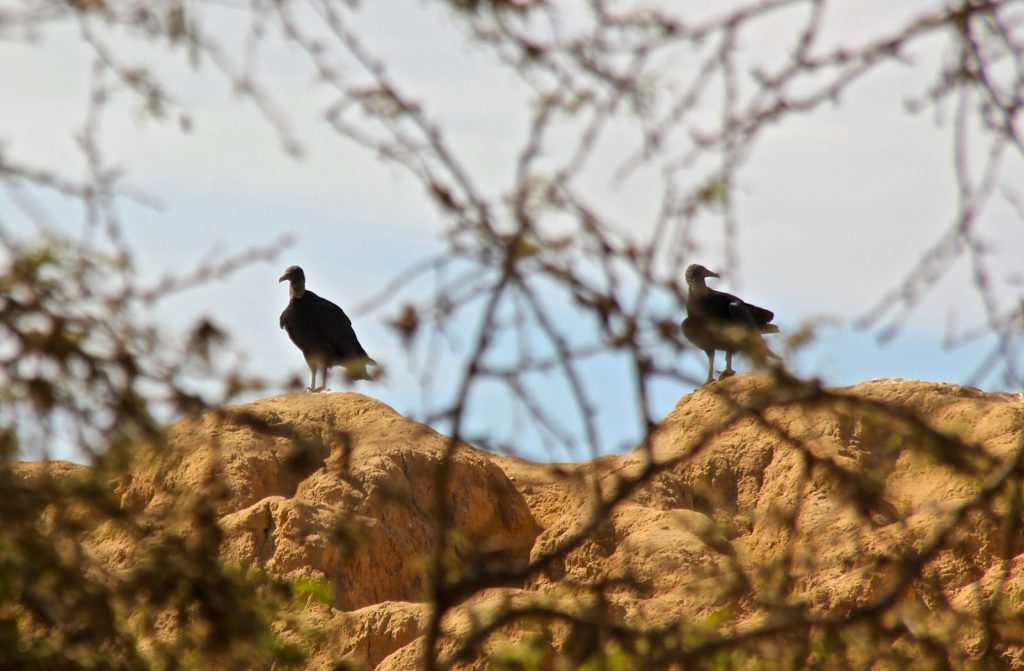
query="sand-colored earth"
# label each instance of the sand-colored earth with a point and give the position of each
(746, 511)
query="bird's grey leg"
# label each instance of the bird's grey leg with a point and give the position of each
(311, 362)
(728, 372)
(323, 378)
(711, 365)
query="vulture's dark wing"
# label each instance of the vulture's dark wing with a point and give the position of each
(336, 328)
(714, 305)
(722, 307)
(329, 313)
(760, 316)
(735, 309)
(739, 314)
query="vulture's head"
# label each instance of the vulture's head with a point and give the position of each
(293, 274)
(296, 281)
(696, 273)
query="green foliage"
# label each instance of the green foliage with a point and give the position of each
(84, 371)
(612, 658)
(532, 652)
(307, 588)
(286, 653)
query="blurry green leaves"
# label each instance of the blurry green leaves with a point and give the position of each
(306, 589)
(692, 634)
(79, 366)
(533, 652)
(285, 652)
(613, 658)
(714, 193)
(44, 307)
(521, 246)
(154, 100)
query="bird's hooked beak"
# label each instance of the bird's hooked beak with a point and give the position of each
(712, 273)
(282, 278)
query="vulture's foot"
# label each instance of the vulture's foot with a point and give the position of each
(726, 373)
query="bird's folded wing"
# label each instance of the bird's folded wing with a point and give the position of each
(337, 329)
(761, 316)
(739, 314)
(330, 315)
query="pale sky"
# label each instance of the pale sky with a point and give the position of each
(834, 207)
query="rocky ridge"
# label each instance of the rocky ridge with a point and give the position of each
(747, 509)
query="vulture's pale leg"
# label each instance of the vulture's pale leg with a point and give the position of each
(323, 379)
(711, 365)
(728, 372)
(313, 367)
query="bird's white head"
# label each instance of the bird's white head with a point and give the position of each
(696, 274)
(296, 279)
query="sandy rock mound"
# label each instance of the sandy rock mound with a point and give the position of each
(342, 488)
(753, 506)
(820, 508)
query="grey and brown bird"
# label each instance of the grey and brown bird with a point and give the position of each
(716, 320)
(322, 331)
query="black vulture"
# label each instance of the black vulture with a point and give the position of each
(717, 320)
(322, 331)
